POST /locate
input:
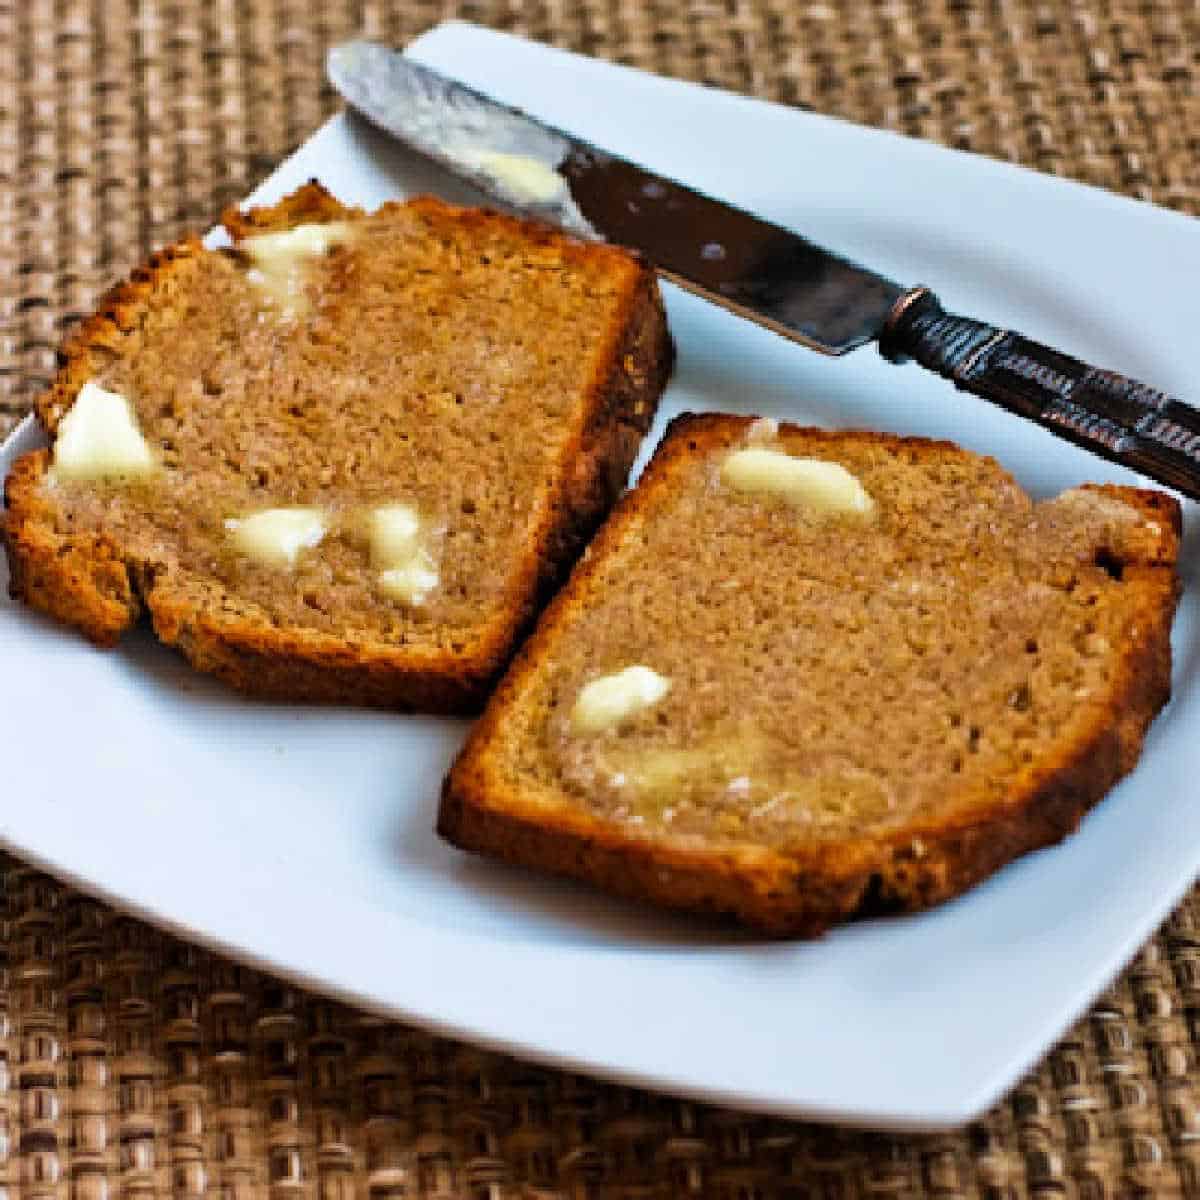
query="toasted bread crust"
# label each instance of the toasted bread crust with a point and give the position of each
(806, 891)
(88, 582)
(84, 583)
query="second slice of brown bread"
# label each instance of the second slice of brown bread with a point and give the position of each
(864, 713)
(491, 374)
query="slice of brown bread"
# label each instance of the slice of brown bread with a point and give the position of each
(855, 712)
(492, 376)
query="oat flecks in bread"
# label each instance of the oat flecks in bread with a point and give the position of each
(864, 715)
(490, 375)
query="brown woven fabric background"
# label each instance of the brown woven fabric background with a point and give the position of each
(125, 122)
(131, 1064)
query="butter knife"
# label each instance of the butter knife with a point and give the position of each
(759, 270)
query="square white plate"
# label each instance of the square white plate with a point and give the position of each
(302, 839)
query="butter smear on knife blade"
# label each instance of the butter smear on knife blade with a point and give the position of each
(508, 154)
(526, 180)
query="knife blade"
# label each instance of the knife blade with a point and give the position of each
(758, 269)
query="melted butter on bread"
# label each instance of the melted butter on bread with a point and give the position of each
(407, 572)
(276, 536)
(99, 438)
(394, 533)
(811, 483)
(611, 699)
(280, 261)
(411, 583)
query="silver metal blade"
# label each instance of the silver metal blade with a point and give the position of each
(751, 266)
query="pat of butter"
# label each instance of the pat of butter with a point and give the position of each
(611, 699)
(99, 438)
(406, 571)
(666, 770)
(525, 180)
(279, 260)
(805, 482)
(276, 536)
(412, 582)
(394, 529)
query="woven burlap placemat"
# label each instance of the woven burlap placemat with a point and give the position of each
(132, 1063)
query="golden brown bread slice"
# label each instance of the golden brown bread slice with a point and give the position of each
(433, 406)
(798, 693)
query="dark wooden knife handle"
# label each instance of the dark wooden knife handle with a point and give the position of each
(1106, 413)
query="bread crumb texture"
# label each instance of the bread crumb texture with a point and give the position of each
(864, 715)
(490, 375)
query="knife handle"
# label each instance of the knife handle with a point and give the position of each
(1104, 412)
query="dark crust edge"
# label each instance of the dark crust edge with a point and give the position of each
(804, 895)
(90, 584)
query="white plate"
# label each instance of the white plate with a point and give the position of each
(301, 839)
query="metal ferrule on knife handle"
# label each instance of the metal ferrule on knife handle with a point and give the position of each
(1106, 413)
